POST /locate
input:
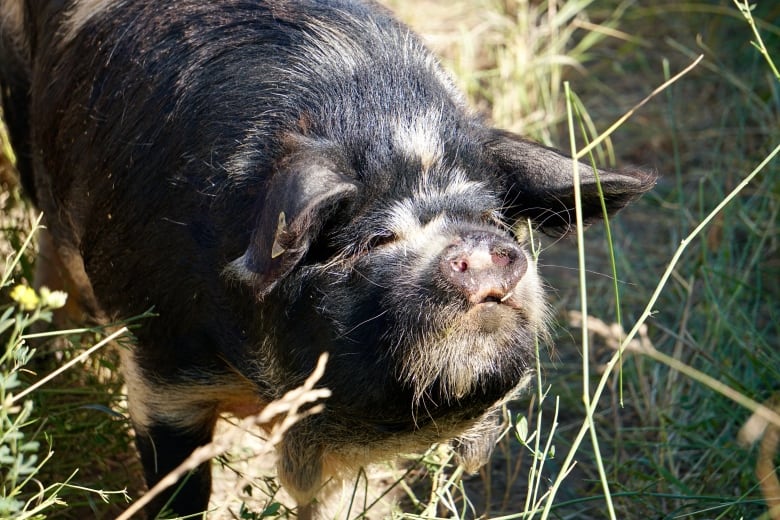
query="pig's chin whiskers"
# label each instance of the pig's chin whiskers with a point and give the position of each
(420, 401)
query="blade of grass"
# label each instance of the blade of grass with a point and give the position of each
(586, 398)
(9, 268)
(745, 8)
(608, 231)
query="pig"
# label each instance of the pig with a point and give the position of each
(278, 180)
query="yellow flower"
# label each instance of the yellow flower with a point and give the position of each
(25, 297)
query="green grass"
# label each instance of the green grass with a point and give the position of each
(673, 445)
(663, 442)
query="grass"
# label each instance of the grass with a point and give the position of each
(27, 425)
(675, 439)
(509, 57)
(662, 442)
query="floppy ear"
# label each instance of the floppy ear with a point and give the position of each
(298, 200)
(540, 184)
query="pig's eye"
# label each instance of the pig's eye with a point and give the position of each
(380, 239)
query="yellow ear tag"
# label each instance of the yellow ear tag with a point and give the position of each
(281, 227)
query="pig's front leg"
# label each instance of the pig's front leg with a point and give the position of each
(162, 448)
(170, 422)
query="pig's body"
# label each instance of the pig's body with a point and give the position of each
(278, 180)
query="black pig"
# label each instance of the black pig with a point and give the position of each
(279, 179)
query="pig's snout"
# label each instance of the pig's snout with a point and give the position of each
(484, 266)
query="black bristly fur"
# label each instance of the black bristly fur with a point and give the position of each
(280, 179)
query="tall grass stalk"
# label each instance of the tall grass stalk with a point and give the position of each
(586, 397)
(746, 9)
(534, 496)
(589, 400)
(575, 105)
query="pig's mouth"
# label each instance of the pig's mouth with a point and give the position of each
(493, 309)
(493, 296)
(487, 345)
(490, 316)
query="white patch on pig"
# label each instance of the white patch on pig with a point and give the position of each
(12, 24)
(81, 13)
(419, 138)
(434, 186)
(403, 217)
(425, 240)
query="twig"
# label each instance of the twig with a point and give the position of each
(745, 8)
(81, 357)
(609, 131)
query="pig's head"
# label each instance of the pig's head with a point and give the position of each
(409, 270)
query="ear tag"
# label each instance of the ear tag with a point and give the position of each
(277, 249)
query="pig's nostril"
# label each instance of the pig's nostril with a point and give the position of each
(460, 265)
(500, 258)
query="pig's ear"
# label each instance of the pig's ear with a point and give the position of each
(298, 201)
(539, 183)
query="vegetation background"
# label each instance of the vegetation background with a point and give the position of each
(665, 439)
